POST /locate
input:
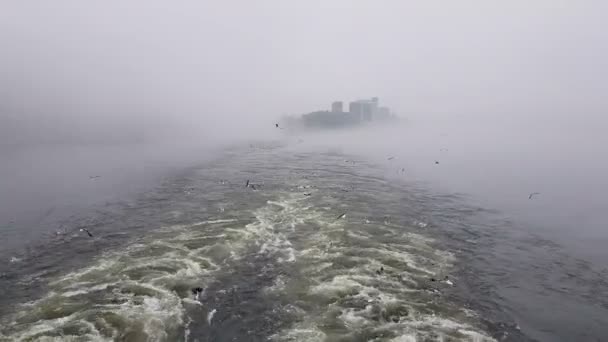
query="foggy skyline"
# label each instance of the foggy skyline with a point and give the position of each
(117, 69)
(143, 121)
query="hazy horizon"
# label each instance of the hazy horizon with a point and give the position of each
(142, 69)
(145, 120)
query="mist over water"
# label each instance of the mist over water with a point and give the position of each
(500, 164)
(516, 261)
(142, 121)
(496, 166)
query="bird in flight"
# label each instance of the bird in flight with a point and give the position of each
(197, 292)
(277, 126)
(94, 177)
(86, 230)
(533, 194)
(341, 216)
(390, 158)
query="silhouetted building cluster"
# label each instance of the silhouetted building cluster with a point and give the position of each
(359, 111)
(337, 107)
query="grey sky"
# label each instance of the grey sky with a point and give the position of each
(148, 65)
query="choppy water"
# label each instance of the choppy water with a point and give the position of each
(278, 264)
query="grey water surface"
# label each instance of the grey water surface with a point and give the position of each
(276, 263)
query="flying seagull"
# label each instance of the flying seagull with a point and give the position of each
(436, 162)
(94, 177)
(277, 126)
(341, 216)
(86, 230)
(247, 184)
(210, 316)
(390, 158)
(533, 194)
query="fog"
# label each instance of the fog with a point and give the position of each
(77, 71)
(519, 87)
(103, 101)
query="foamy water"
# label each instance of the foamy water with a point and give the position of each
(273, 264)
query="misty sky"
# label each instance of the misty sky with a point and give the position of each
(111, 69)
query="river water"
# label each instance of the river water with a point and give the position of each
(325, 246)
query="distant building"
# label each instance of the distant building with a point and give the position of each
(356, 110)
(364, 110)
(337, 107)
(328, 119)
(359, 112)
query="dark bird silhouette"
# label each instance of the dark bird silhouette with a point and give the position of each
(197, 292)
(436, 162)
(277, 126)
(341, 216)
(247, 184)
(533, 194)
(86, 230)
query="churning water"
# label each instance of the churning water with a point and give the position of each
(275, 261)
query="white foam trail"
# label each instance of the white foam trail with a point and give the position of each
(342, 267)
(352, 320)
(198, 223)
(405, 338)
(192, 301)
(187, 330)
(301, 332)
(421, 224)
(277, 286)
(220, 221)
(135, 286)
(339, 263)
(85, 290)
